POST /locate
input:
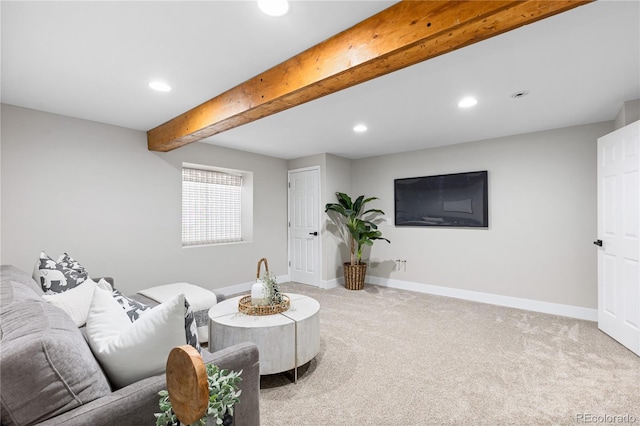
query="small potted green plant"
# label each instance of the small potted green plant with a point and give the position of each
(271, 290)
(223, 395)
(265, 291)
(359, 229)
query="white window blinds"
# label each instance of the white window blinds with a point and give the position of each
(211, 203)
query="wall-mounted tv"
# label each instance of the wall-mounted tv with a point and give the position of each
(454, 200)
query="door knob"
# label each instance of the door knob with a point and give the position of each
(598, 243)
(315, 234)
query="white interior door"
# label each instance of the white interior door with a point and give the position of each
(619, 233)
(304, 226)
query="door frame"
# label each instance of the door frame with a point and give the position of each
(320, 226)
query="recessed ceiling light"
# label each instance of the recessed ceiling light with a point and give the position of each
(274, 7)
(467, 102)
(360, 128)
(519, 94)
(160, 86)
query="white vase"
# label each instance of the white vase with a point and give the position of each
(258, 296)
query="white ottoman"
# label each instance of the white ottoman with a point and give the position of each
(200, 299)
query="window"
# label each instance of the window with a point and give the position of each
(211, 206)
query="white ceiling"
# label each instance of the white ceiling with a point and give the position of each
(93, 60)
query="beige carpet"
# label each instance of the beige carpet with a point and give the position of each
(394, 357)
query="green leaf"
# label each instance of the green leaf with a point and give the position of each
(223, 394)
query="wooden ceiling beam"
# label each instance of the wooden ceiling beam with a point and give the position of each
(406, 33)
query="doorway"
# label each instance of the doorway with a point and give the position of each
(619, 235)
(304, 226)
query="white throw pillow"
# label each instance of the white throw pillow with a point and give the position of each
(200, 299)
(135, 309)
(75, 302)
(128, 351)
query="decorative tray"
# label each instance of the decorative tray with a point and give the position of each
(245, 306)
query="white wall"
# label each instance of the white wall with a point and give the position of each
(542, 217)
(96, 192)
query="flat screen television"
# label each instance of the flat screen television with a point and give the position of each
(454, 200)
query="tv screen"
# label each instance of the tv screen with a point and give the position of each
(454, 200)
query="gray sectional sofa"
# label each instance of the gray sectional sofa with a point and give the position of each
(49, 376)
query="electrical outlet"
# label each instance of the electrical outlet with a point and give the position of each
(401, 265)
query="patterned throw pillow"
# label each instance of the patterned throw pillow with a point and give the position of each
(132, 307)
(55, 277)
(69, 262)
(190, 327)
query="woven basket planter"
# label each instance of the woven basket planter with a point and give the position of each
(354, 276)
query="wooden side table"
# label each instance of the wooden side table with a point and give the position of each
(285, 341)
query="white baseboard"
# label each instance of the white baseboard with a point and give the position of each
(493, 299)
(336, 282)
(474, 296)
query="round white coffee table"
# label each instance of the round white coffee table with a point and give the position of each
(285, 341)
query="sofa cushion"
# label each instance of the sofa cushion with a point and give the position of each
(56, 277)
(46, 367)
(131, 351)
(13, 292)
(11, 273)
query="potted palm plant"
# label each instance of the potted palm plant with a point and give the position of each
(359, 230)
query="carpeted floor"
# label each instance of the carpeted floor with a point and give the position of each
(395, 357)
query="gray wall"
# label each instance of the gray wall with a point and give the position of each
(629, 113)
(96, 192)
(335, 176)
(542, 217)
(335, 250)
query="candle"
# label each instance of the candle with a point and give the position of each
(257, 294)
